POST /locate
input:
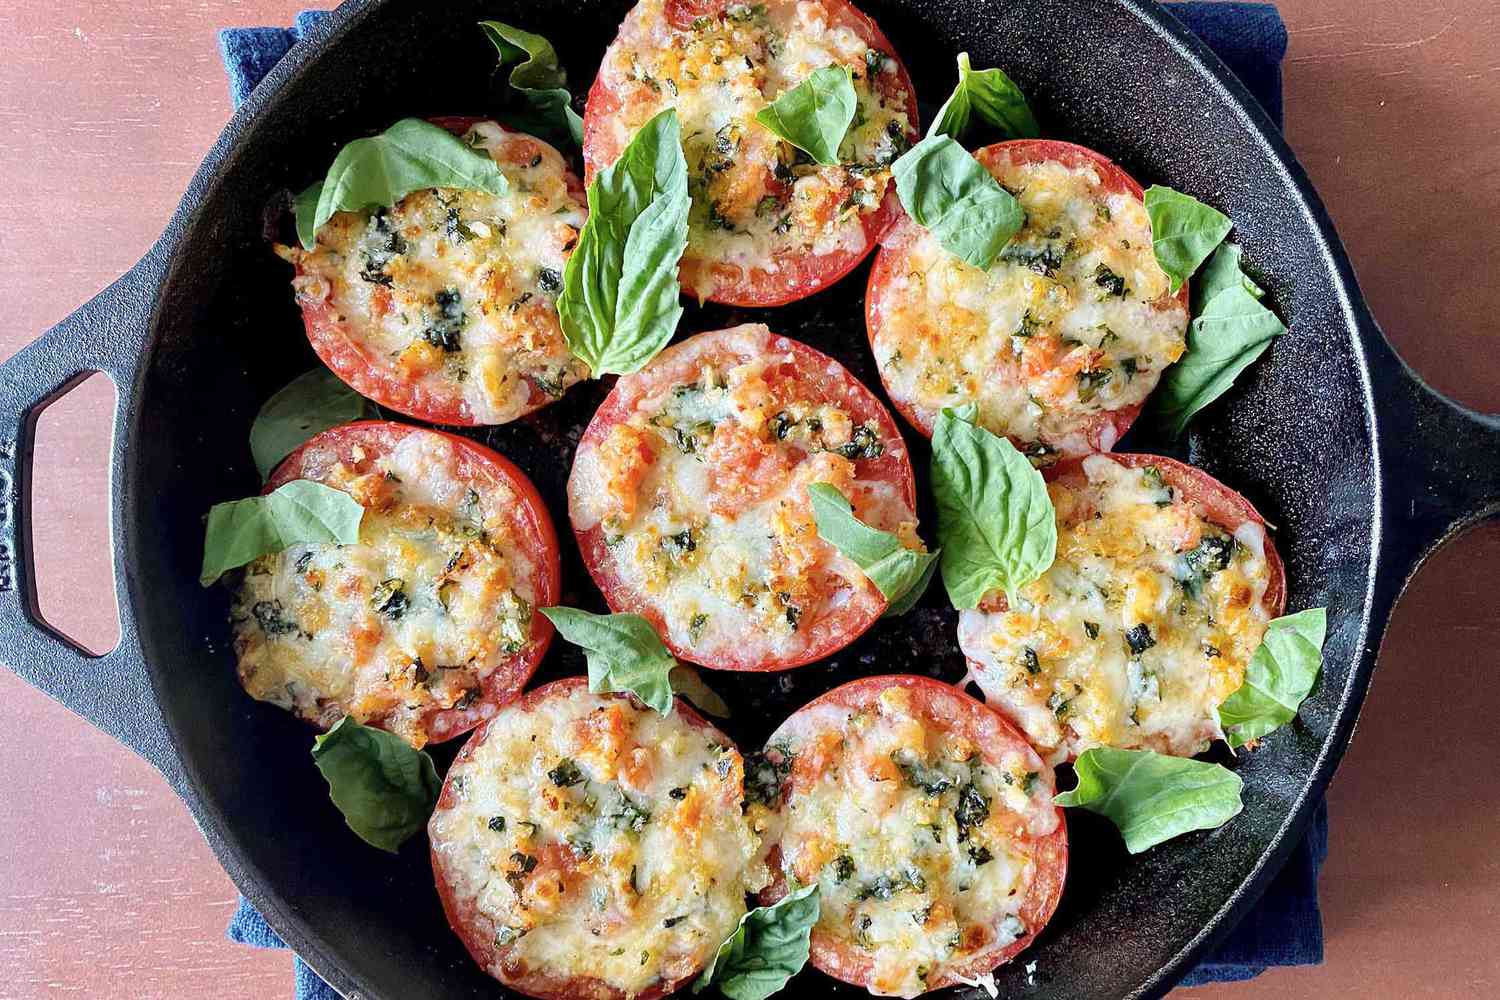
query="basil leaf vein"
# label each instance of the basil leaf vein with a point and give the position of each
(1280, 675)
(952, 195)
(769, 947)
(620, 302)
(385, 788)
(1184, 231)
(814, 115)
(624, 654)
(542, 84)
(893, 568)
(298, 512)
(990, 94)
(309, 404)
(996, 525)
(379, 171)
(1152, 797)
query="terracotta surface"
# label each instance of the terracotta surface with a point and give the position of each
(106, 888)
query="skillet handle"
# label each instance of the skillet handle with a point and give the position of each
(1440, 464)
(112, 691)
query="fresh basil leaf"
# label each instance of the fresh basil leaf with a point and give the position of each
(815, 114)
(385, 788)
(541, 83)
(893, 568)
(908, 600)
(624, 654)
(1233, 331)
(305, 209)
(1184, 231)
(308, 405)
(990, 94)
(689, 683)
(947, 191)
(1280, 675)
(996, 524)
(1152, 797)
(1222, 271)
(769, 947)
(620, 302)
(297, 513)
(379, 171)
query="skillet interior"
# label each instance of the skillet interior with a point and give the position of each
(1295, 436)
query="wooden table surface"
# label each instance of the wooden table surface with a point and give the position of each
(1393, 106)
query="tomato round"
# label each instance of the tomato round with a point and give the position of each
(901, 330)
(454, 842)
(838, 750)
(689, 504)
(415, 378)
(622, 99)
(454, 462)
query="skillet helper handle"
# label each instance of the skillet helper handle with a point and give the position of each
(112, 691)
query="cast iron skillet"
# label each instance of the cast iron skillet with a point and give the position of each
(1362, 467)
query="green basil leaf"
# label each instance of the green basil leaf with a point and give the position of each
(308, 405)
(893, 568)
(541, 83)
(621, 301)
(379, 171)
(996, 524)
(1222, 271)
(908, 600)
(1233, 331)
(947, 191)
(305, 209)
(298, 512)
(1280, 675)
(1184, 231)
(1152, 797)
(815, 114)
(689, 683)
(990, 94)
(624, 654)
(385, 788)
(769, 947)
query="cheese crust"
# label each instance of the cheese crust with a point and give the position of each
(689, 496)
(586, 846)
(426, 623)
(926, 822)
(758, 203)
(1139, 631)
(1060, 342)
(444, 306)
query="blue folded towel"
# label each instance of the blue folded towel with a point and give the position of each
(1284, 928)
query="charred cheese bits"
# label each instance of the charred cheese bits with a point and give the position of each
(586, 846)
(430, 622)
(1060, 342)
(444, 305)
(927, 823)
(689, 498)
(768, 224)
(1162, 589)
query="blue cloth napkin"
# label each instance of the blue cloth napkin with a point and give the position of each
(1285, 927)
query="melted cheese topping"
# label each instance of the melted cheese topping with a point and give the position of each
(1138, 632)
(436, 596)
(701, 494)
(594, 838)
(755, 197)
(1073, 320)
(921, 844)
(454, 292)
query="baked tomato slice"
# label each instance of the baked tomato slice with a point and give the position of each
(689, 498)
(1060, 342)
(429, 624)
(585, 846)
(1164, 582)
(926, 821)
(768, 225)
(443, 306)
